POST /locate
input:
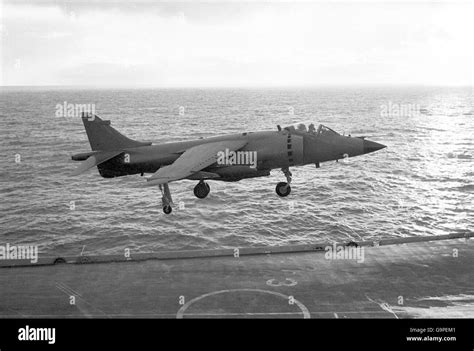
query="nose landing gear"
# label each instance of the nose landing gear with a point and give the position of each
(284, 189)
(202, 189)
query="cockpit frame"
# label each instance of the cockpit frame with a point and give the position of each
(301, 128)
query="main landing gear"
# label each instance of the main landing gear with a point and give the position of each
(284, 189)
(166, 199)
(202, 189)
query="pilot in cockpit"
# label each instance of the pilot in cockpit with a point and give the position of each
(311, 128)
(301, 127)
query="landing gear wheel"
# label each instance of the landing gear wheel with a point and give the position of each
(201, 190)
(167, 209)
(283, 189)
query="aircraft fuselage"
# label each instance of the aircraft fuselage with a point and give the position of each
(273, 149)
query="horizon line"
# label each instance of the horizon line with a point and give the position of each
(151, 86)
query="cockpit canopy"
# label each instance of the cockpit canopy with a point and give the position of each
(310, 128)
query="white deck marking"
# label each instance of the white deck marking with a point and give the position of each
(183, 309)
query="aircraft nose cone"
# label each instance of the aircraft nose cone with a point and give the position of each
(371, 146)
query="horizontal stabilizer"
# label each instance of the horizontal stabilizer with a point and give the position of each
(94, 160)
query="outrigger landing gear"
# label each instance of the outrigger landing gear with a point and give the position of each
(166, 199)
(284, 189)
(202, 189)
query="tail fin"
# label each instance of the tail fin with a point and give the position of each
(105, 138)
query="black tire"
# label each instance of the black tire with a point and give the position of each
(281, 191)
(167, 209)
(202, 190)
(59, 260)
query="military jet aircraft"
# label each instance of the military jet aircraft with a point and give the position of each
(226, 158)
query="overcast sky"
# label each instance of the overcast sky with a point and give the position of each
(236, 43)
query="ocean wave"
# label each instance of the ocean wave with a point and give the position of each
(384, 195)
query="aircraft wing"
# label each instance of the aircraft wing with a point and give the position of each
(193, 160)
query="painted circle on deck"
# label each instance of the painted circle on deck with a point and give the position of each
(303, 310)
(286, 282)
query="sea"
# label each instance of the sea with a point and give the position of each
(422, 184)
